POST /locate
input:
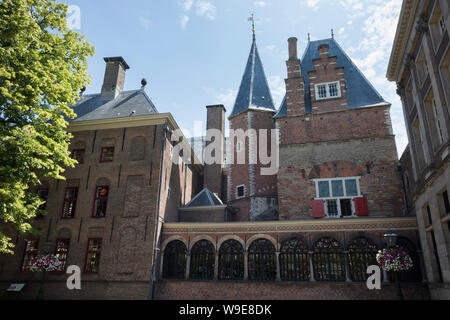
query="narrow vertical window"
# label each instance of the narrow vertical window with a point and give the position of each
(333, 90)
(70, 201)
(43, 194)
(107, 154)
(100, 201)
(78, 154)
(322, 91)
(438, 122)
(93, 255)
(240, 192)
(62, 251)
(31, 251)
(442, 25)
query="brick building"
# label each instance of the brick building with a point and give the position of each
(420, 65)
(141, 226)
(103, 217)
(309, 231)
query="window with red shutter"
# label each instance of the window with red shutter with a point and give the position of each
(318, 209)
(361, 208)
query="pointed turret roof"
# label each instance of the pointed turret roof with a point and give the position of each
(254, 92)
(206, 198)
(360, 92)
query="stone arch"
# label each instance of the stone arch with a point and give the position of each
(262, 236)
(199, 238)
(173, 238)
(289, 236)
(354, 236)
(335, 236)
(230, 237)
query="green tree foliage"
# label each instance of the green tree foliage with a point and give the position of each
(43, 66)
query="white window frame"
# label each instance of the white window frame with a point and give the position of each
(327, 85)
(338, 199)
(237, 192)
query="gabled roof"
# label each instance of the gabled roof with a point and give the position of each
(127, 103)
(254, 92)
(206, 198)
(360, 92)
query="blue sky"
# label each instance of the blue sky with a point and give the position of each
(193, 52)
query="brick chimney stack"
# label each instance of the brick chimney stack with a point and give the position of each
(114, 80)
(292, 48)
(213, 172)
(295, 83)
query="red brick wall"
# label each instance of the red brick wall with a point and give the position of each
(349, 124)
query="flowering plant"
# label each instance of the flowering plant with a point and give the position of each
(45, 263)
(394, 259)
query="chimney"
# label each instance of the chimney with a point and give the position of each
(293, 64)
(295, 83)
(213, 172)
(114, 77)
(292, 48)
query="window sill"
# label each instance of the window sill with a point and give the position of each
(326, 99)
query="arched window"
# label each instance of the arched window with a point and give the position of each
(174, 260)
(413, 274)
(362, 253)
(294, 261)
(329, 261)
(231, 261)
(262, 263)
(203, 257)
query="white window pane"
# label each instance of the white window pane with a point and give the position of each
(324, 189)
(338, 188)
(351, 187)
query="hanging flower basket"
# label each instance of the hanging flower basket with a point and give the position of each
(394, 259)
(48, 263)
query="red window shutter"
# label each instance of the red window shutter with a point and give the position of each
(318, 209)
(361, 207)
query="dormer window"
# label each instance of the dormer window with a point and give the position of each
(328, 90)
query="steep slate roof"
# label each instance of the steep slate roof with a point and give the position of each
(91, 107)
(360, 92)
(205, 198)
(254, 92)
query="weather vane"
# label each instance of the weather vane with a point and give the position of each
(252, 19)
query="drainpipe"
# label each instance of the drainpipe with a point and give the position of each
(405, 201)
(156, 238)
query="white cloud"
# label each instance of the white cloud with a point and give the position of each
(313, 4)
(259, 3)
(277, 88)
(203, 8)
(227, 99)
(183, 21)
(187, 5)
(206, 9)
(145, 23)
